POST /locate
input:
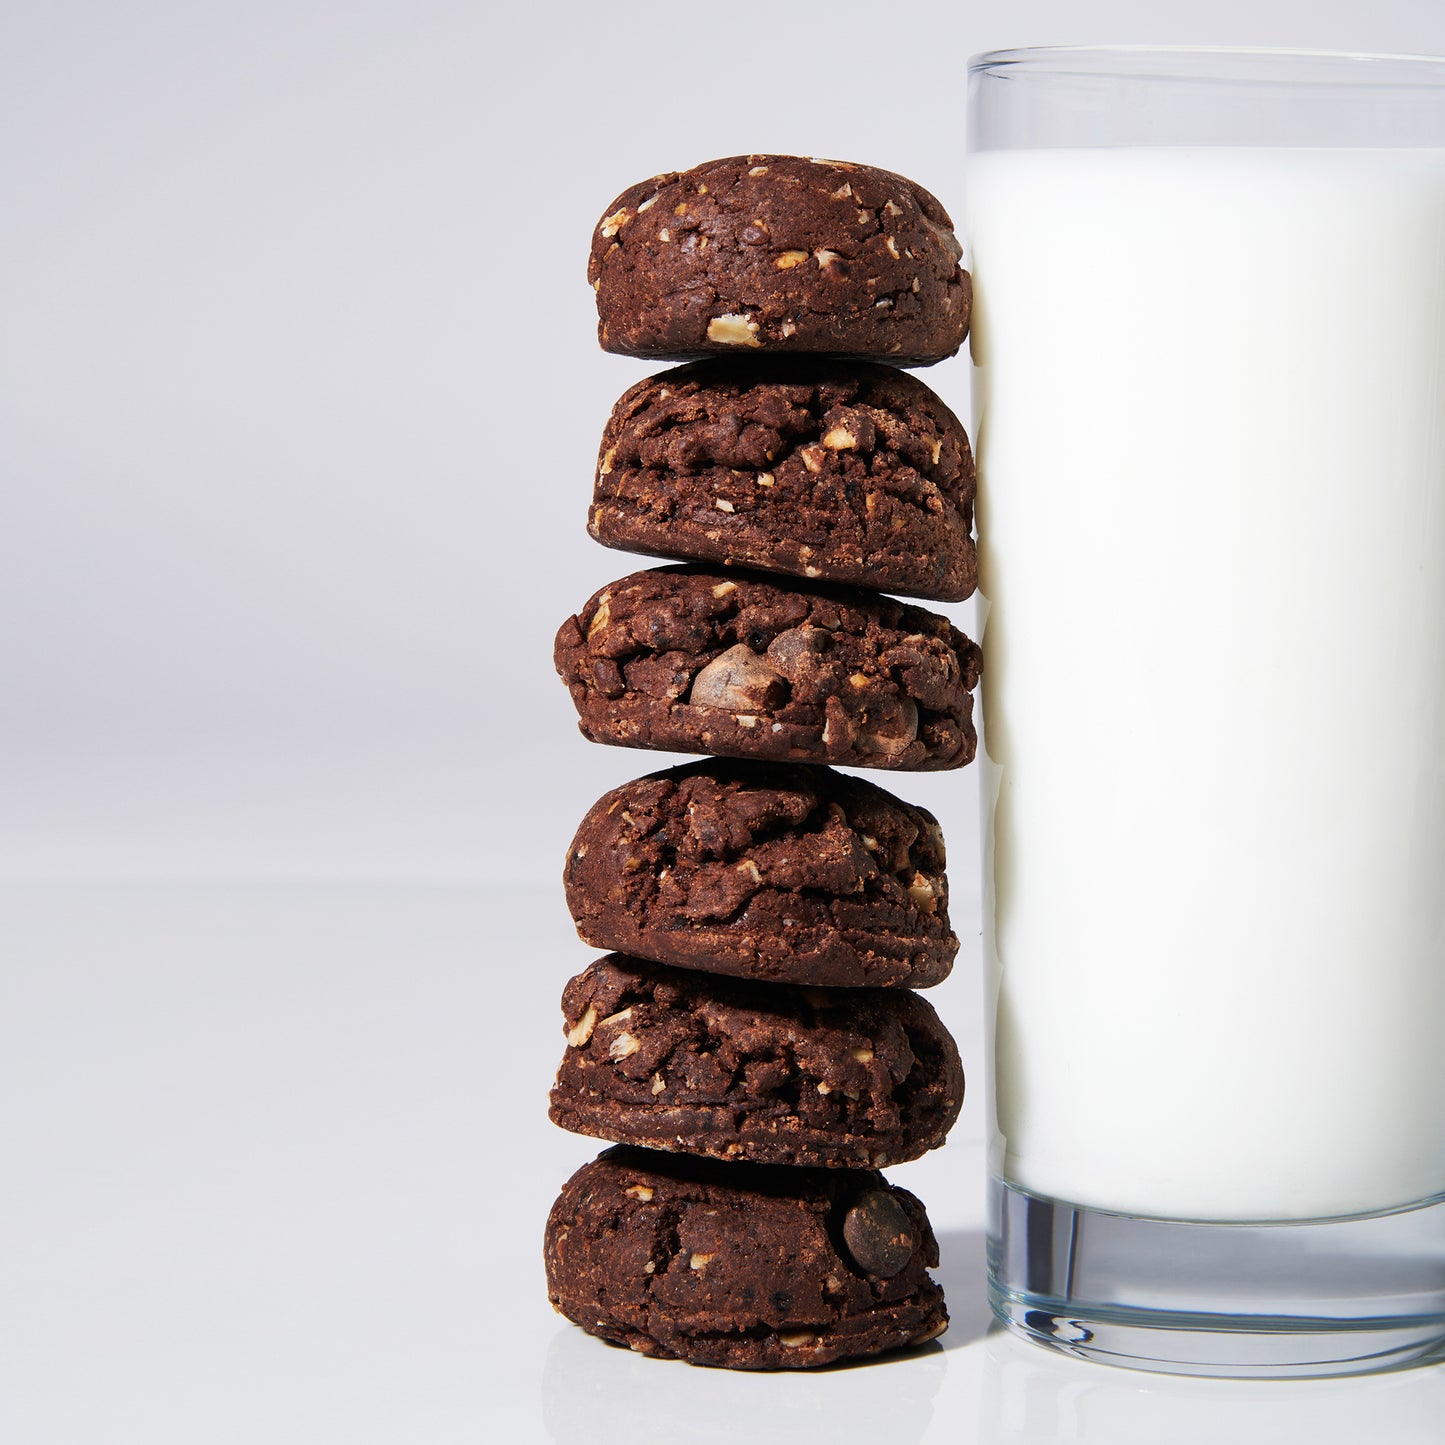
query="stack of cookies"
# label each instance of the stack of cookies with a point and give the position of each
(752, 1041)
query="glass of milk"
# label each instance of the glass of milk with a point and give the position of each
(1210, 417)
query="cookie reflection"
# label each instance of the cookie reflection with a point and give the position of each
(586, 1381)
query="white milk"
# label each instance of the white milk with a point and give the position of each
(1211, 428)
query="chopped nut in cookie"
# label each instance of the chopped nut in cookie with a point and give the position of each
(733, 330)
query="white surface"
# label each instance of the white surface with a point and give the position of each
(276, 1163)
(1207, 396)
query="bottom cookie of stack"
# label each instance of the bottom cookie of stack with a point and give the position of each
(746, 1266)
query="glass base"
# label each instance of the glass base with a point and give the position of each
(1325, 1297)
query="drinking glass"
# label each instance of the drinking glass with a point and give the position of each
(1209, 345)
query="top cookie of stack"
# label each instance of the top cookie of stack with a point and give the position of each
(780, 254)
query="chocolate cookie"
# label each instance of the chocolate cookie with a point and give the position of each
(779, 253)
(850, 1078)
(702, 661)
(743, 1265)
(835, 470)
(767, 871)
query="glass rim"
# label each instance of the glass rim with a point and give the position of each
(1272, 64)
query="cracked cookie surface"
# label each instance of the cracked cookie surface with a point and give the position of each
(692, 659)
(780, 253)
(675, 1060)
(839, 471)
(779, 873)
(745, 1266)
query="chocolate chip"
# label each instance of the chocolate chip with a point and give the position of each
(608, 677)
(795, 653)
(737, 678)
(878, 1235)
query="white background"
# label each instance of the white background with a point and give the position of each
(300, 397)
(299, 402)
